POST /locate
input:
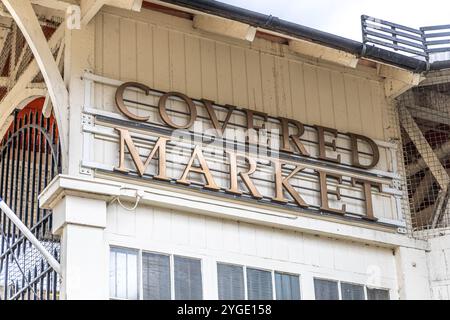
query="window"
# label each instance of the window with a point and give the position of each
(123, 275)
(351, 291)
(230, 280)
(377, 294)
(188, 279)
(135, 274)
(329, 290)
(155, 276)
(158, 276)
(259, 284)
(287, 286)
(326, 289)
(241, 282)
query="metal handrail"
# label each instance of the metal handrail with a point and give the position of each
(30, 236)
(20, 239)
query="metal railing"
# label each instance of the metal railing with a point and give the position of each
(29, 235)
(410, 41)
(437, 38)
(29, 252)
(30, 269)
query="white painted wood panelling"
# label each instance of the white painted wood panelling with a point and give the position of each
(306, 183)
(262, 76)
(439, 268)
(167, 54)
(218, 240)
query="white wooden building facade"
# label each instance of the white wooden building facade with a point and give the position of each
(130, 236)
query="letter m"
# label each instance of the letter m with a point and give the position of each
(160, 147)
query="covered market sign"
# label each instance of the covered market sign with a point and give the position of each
(171, 137)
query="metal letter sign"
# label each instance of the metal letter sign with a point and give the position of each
(289, 144)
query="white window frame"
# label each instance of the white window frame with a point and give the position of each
(138, 273)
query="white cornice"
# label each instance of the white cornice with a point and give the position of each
(200, 203)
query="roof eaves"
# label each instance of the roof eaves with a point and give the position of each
(268, 22)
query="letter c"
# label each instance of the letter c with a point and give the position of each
(121, 105)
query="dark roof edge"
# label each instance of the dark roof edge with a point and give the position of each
(275, 24)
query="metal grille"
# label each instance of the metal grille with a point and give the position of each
(29, 159)
(391, 35)
(424, 114)
(437, 38)
(420, 43)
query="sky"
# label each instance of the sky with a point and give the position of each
(342, 17)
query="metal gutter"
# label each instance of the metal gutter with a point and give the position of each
(440, 65)
(291, 29)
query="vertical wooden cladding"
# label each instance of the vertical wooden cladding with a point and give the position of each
(255, 76)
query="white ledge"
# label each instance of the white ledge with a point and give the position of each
(180, 198)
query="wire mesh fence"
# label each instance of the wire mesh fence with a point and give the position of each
(424, 115)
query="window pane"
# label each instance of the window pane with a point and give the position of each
(155, 276)
(326, 289)
(287, 286)
(132, 276)
(351, 291)
(123, 274)
(188, 279)
(231, 282)
(259, 284)
(377, 294)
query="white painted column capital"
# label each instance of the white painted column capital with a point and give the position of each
(80, 211)
(81, 223)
